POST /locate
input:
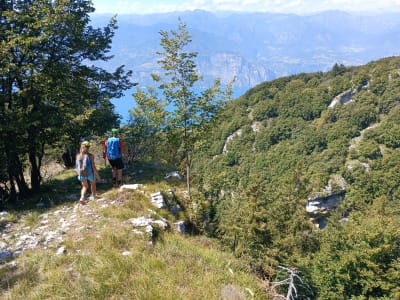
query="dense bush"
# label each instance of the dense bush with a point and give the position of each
(270, 174)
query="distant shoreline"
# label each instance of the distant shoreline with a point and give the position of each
(126, 102)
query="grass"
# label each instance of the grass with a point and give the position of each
(105, 259)
(178, 267)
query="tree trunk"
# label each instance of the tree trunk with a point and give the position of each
(188, 176)
(13, 190)
(15, 169)
(15, 173)
(23, 188)
(35, 170)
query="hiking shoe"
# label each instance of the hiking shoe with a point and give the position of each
(82, 201)
(94, 197)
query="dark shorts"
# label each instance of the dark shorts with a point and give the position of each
(117, 163)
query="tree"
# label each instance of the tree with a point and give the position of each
(48, 90)
(144, 135)
(192, 111)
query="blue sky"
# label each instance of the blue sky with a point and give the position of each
(282, 6)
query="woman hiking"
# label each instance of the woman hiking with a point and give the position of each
(87, 171)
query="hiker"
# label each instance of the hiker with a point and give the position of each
(108, 135)
(114, 150)
(87, 171)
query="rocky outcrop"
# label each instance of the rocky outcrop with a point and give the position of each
(343, 98)
(237, 133)
(51, 229)
(256, 126)
(319, 206)
(228, 66)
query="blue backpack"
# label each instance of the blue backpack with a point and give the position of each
(113, 149)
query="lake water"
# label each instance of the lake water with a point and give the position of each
(125, 103)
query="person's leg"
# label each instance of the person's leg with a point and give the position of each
(83, 190)
(93, 188)
(119, 176)
(119, 165)
(114, 175)
(113, 172)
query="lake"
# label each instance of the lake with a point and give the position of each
(125, 103)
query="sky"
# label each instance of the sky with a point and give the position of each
(301, 7)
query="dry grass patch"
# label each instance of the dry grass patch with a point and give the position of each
(105, 259)
(121, 265)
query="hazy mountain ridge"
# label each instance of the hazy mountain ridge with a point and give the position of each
(256, 47)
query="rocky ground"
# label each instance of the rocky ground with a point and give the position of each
(49, 229)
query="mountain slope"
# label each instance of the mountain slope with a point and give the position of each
(61, 249)
(256, 47)
(304, 138)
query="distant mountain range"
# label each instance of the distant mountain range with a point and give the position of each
(256, 47)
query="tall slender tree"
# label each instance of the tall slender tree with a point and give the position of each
(191, 112)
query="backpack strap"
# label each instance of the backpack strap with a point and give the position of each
(91, 157)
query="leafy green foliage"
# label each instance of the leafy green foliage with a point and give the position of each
(291, 147)
(49, 94)
(359, 262)
(144, 135)
(191, 114)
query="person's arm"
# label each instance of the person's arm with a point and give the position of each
(105, 149)
(91, 156)
(77, 157)
(122, 146)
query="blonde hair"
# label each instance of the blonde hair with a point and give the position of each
(83, 150)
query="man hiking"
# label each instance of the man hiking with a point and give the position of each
(113, 150)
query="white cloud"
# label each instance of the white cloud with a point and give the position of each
(284, 6)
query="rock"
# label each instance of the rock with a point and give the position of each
(134, 186)
(311, 208)
(180, 227)
(237, 133)
(140, 222)
(144, 222)
(321, 207)
(147, 225)
(51, 235)
(160, 223)
(5, 255)
(3, 245)
(343, 98)
(173, 175)
(158, 200)
(149, 229)
(175, 209)
(60, 250)
(256, 126)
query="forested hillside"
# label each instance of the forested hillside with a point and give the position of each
(299, 174)
(288, 141)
